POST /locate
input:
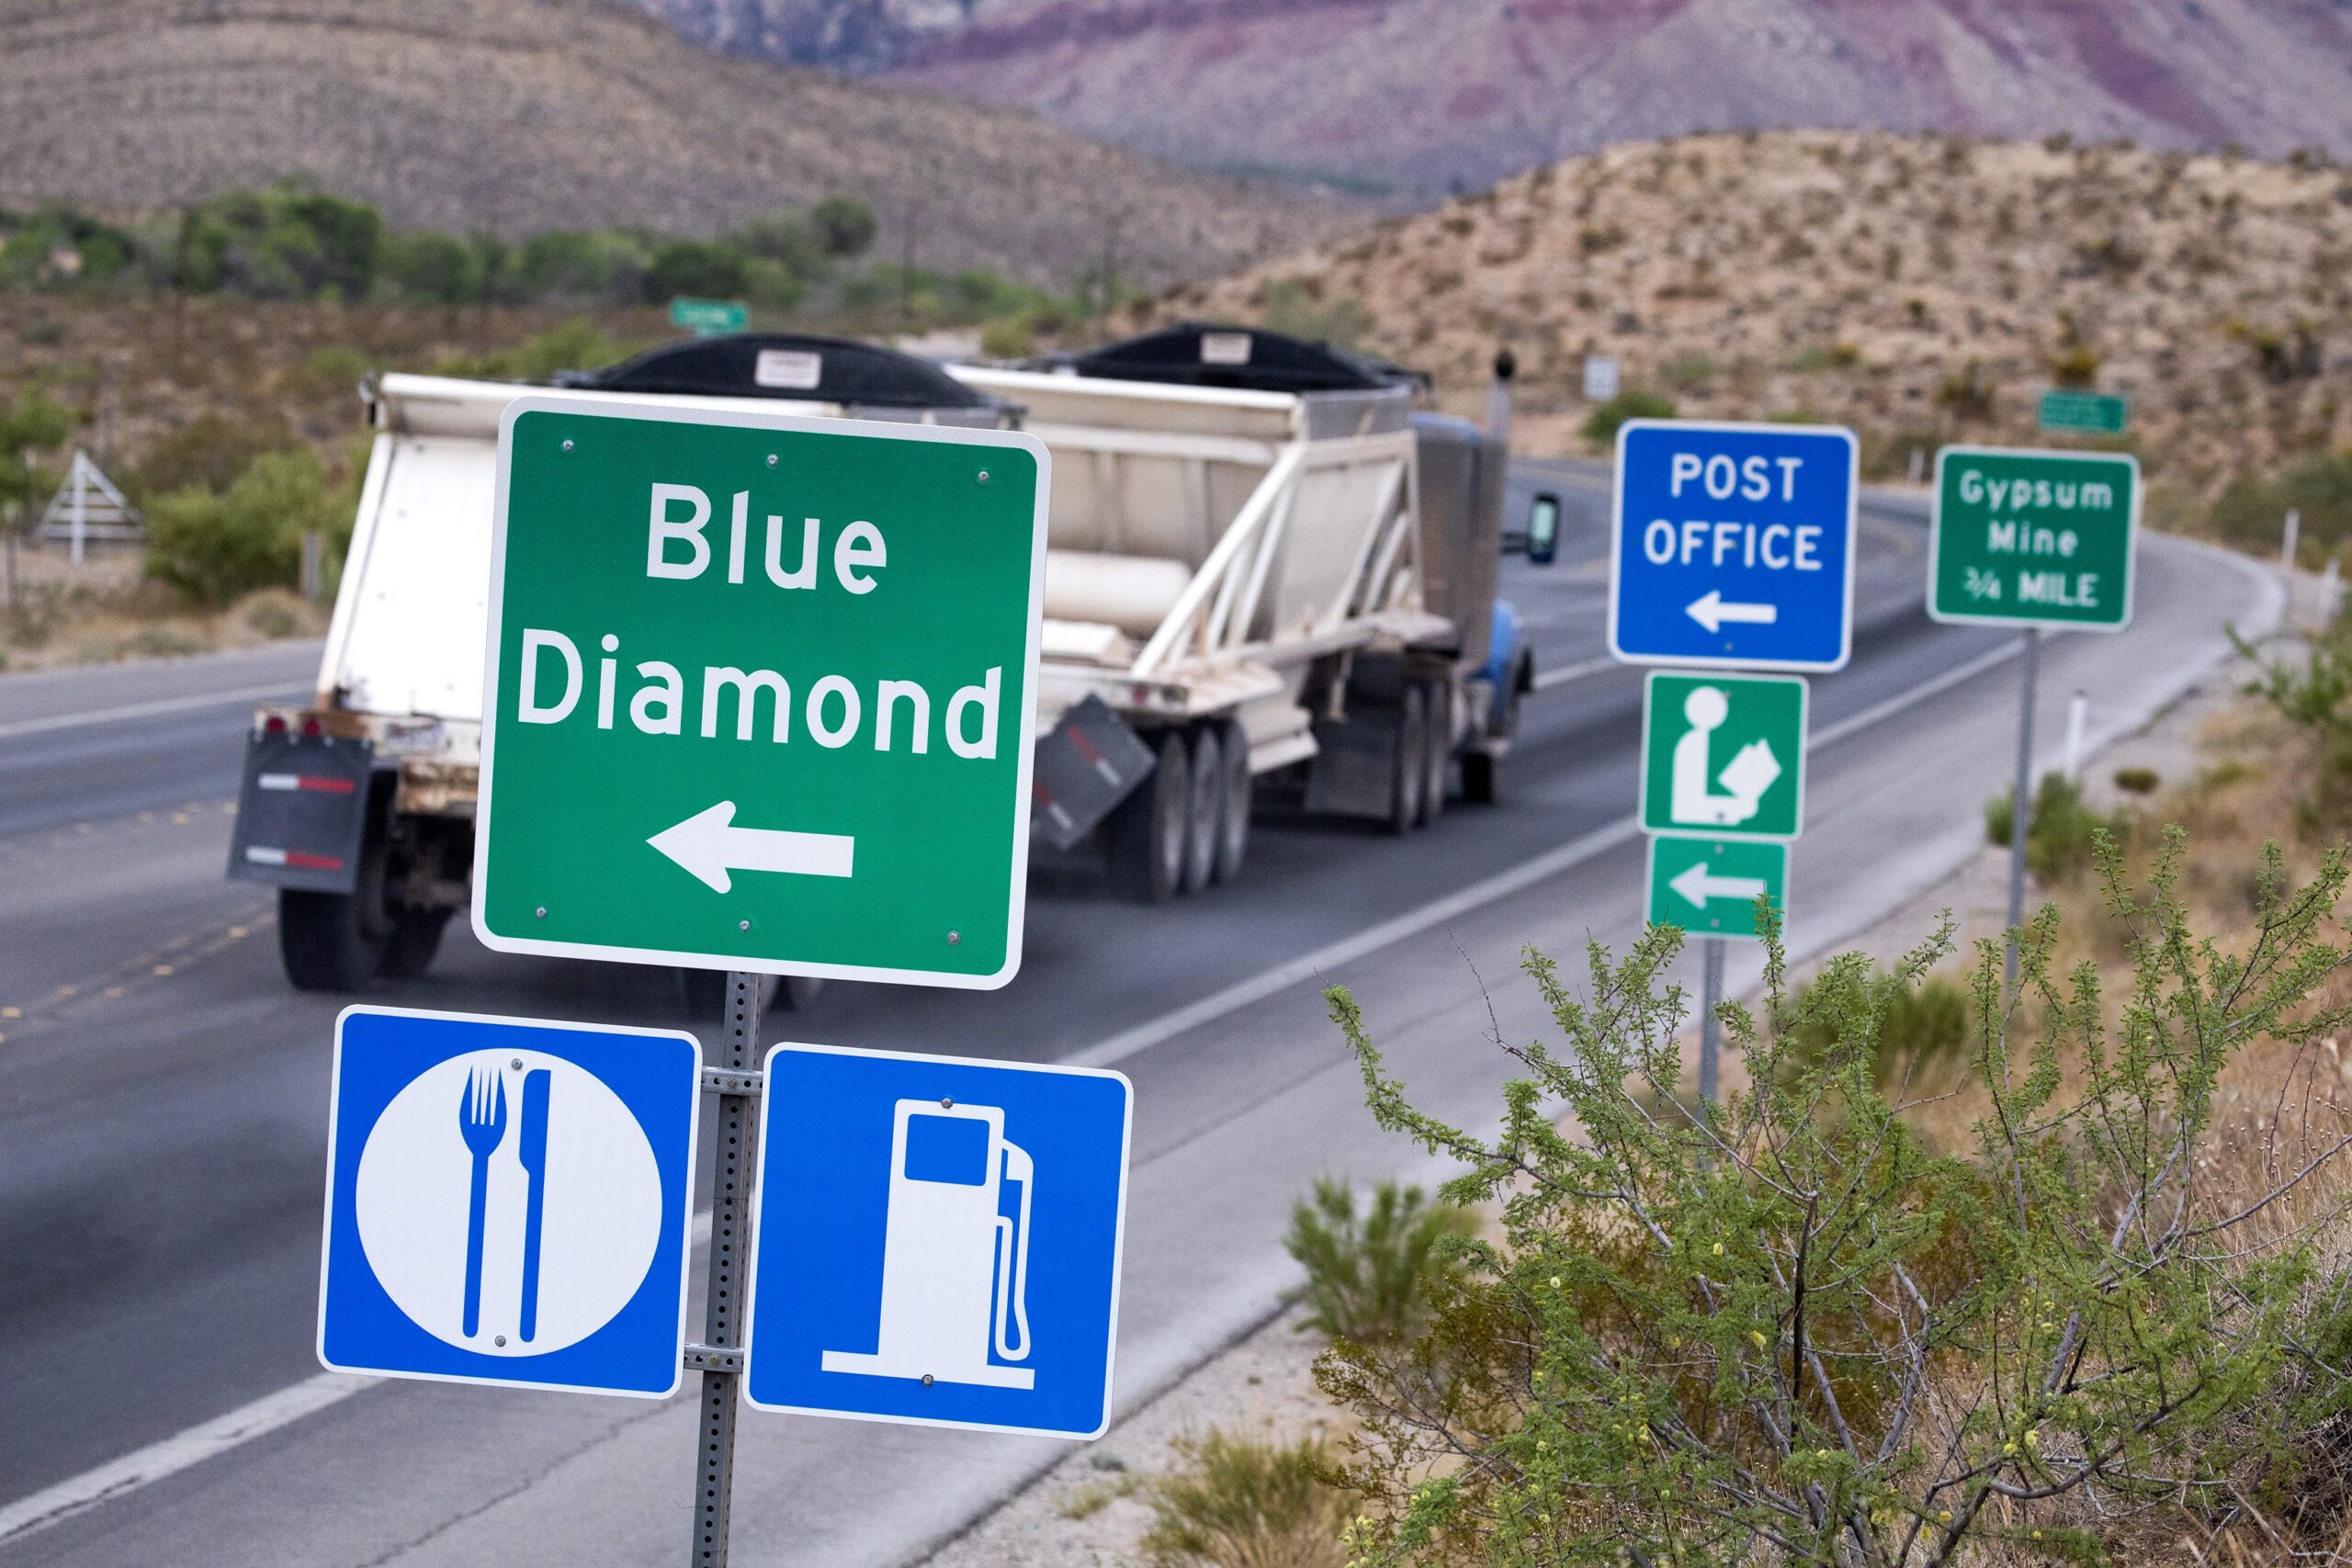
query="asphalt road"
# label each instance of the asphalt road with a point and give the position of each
(163, 1094)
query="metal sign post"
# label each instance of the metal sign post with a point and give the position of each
(721, 1355)
(1711, 1030)
(2021, 801)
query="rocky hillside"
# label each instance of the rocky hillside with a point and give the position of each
(1424, 95)
(526, 115)
(1919, 288)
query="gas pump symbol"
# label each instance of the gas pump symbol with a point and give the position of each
(954, 1267)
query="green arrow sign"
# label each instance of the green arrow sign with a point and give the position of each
(2101, 413)
(1709, 887)
(760, 693)
(708, 318)
(1724, 754)
(2033, 538)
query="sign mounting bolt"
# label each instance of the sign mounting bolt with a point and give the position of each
(771, 459)
(499, 1340)
(954, 937)
(516, 1064)
(926, 1380)
(742, 925)
(984, 476)
(541, 911)
(946, 1104)
(567, 445)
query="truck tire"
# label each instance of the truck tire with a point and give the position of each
(322, 941)
(415, 939)
(1145, 830)
(1203, 806)
(1410, 762)
(1233, 808)
(1437, 750)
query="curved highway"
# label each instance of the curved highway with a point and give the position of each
(163, 1094)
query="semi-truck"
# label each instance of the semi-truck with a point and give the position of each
(1268, 574)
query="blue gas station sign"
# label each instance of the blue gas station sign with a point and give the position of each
(938, 1241)
(1733, 544)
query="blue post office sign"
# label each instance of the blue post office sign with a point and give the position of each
(1733, 544)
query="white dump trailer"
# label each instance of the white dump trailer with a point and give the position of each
(1248, 590)
(1274, 574)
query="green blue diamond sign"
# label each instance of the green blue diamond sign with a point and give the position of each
(2033, 538)
(759, 693)
(1724, 754)
(1709, 887)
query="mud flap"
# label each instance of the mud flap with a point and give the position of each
(1088, 763)
(302, 813)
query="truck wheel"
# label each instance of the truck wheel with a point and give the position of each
(1146, 832)
(1233, 809)
(322, 941)
(415, 939)
(1481, 777)
(1438, 752)
(1409, 766)
(1204, 807)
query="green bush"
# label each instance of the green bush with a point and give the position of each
(1369, 1272)
(1916, 1030)
(209, 452)
(2138, 781)
(1240, 1504)
(2252, 512)
(215, 547)
(576, 345)
(1600, 424)
(1785, 1329)
(2060, 836)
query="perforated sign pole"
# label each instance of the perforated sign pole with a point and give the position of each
(721, 1356)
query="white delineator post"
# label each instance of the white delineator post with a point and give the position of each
(2291, 536)
(2078, 712)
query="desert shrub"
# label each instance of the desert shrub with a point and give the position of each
(2138, 781)
(216, 547)
(1784, 1328)
(2251, 513)
(1009, 337)
(1919, 1029)
(703, 268)
(2061, 836)
(2076, 364)
(209, 452)
(1815, 356)
(1243, 1503)
(1290, 309)
(1369, 1273)
(1601, 425)
(2313, 698)
(576, 345)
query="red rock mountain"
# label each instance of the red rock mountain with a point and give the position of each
(1420, 95)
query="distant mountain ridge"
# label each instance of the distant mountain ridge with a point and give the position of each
(1426, 94)
(520, 115)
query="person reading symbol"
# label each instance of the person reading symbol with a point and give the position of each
(1744, 778)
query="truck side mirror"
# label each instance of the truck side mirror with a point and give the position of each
(1543, 529)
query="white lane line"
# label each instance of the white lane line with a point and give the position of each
(1547, 679)
(289, 688)
(199, 1443)
(1854, 724)
(174, 1454)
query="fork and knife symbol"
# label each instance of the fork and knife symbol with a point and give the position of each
(482, 1121)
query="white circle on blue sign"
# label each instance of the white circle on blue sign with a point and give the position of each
(599, 1202)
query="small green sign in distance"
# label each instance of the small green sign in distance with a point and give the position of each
(1709, 887)
(1724, 754)
(2033, 538)
(2101, 413)
(708, 318)
(759, 692)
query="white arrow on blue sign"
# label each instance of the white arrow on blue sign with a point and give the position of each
(507, 1201)
(1733, 544)
(938, 1241)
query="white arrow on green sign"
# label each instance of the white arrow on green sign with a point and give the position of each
(1709, 887)
(759, 692)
